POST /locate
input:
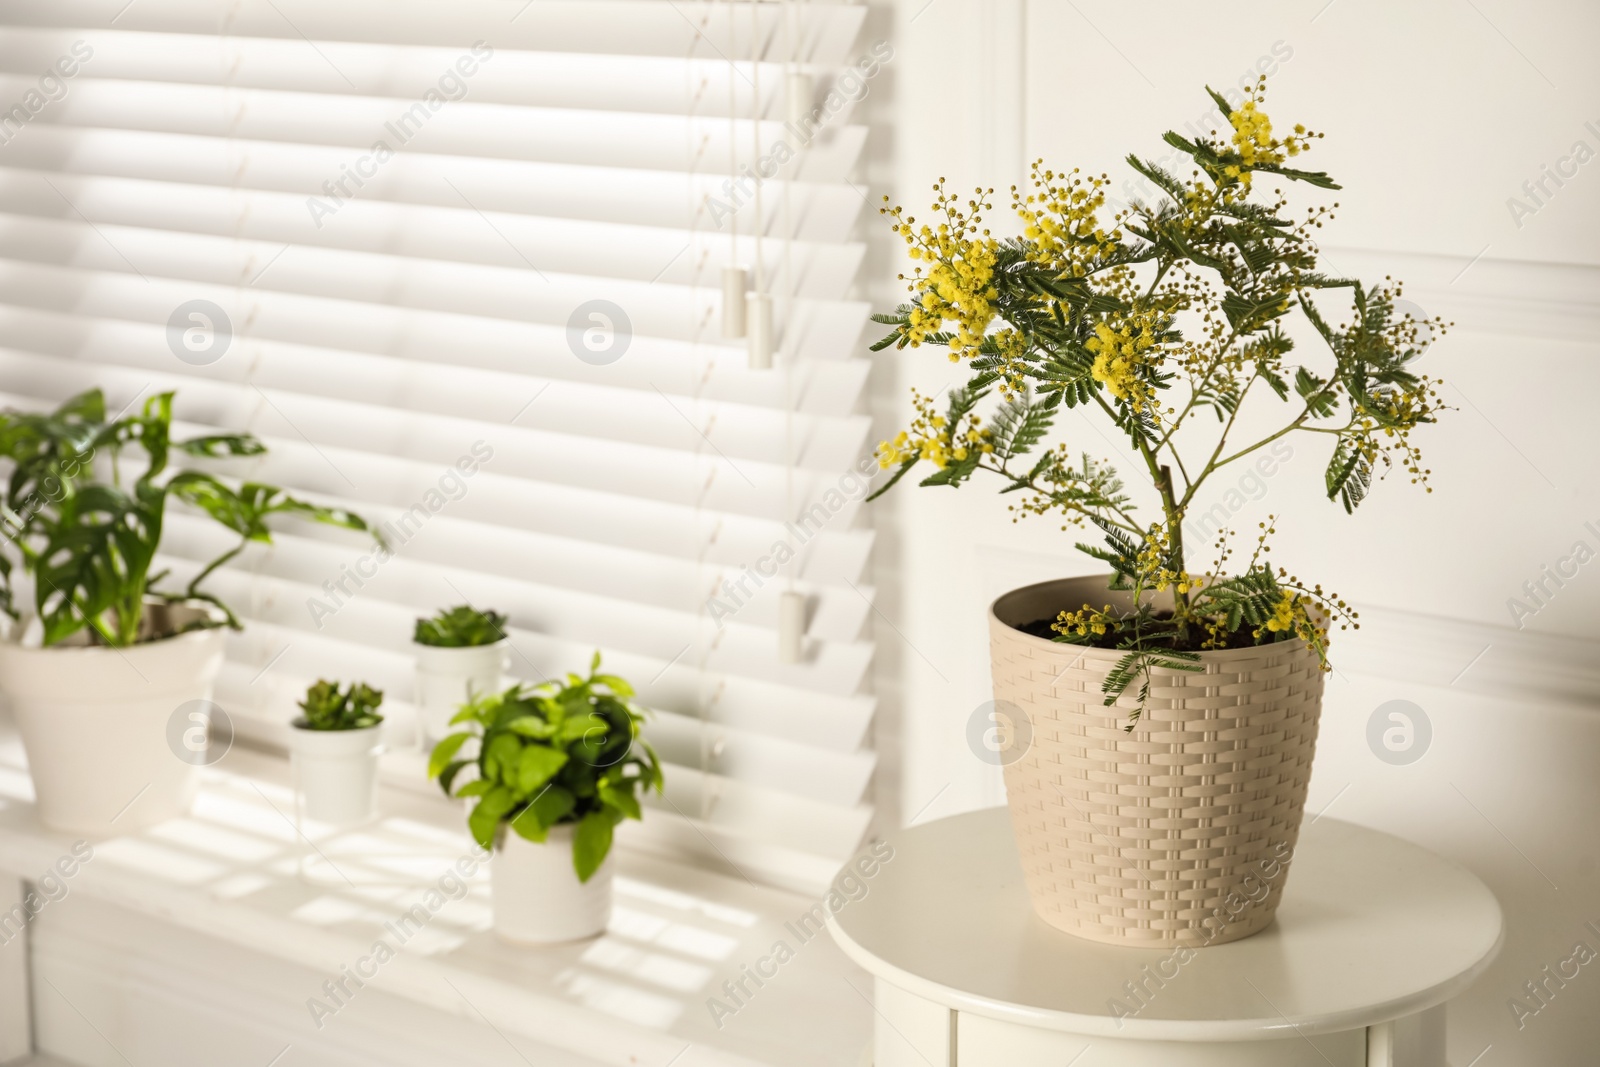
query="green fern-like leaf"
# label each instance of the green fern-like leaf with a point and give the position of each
(1035, 424)
(1138, 665)
(1164, 181)
(901, 473)
(1349, 474)
(1250, 598)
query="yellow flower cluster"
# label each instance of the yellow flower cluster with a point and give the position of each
(1061, 221)
(959, 291)
(1252, 134)
(957, 286)
(1283, 615)
(931, 437)
(1292, 614)
(1011, 350)
(1120, 350)
(1253, 140)
(1085, 622)
(1217, 633)
(1153, 571)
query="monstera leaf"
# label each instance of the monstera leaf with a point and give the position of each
(89, 537)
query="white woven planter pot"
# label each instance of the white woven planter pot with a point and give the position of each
(95, 724)
(536, 893)
(1180, 832)
(336, 772)
(449, 677)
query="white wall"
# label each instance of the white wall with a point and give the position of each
(1436, 114)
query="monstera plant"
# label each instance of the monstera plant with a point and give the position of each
(86, 505)
(116, 648)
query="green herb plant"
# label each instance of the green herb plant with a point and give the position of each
(460, 627)
(89, 542)
(353, 707)
(556, 753)
(1165, 313)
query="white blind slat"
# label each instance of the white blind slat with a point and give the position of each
(646, 418)
(262, 280)
(670, 85)
(456, 234)
(314, 446)
(262, 708)
(463, 129)
(821, 211)
(827, 31)
(527, 355)
(265, 654)
(555, 565)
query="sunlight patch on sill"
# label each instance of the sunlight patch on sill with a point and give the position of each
(422, 832)
(16, 784)
(665, 971)
(624, 1002)
(209, 837)
(157, 861)
(240, 813)
(669, 934)
(672, 898)
(240, 886)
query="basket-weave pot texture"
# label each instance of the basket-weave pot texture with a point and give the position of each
(1178, 833)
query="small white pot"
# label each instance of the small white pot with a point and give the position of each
(95, 723)
(336, 772)
(449, 677)
(537, 896)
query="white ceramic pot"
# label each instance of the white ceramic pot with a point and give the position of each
(449, 677)
(537, 896)
(1178, 833)
(95, 724)
(336, 772)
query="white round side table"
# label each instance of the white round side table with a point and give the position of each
(1373, 936)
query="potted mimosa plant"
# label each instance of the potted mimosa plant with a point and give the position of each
(1172, 708)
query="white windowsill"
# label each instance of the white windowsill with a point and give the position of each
(638, 995)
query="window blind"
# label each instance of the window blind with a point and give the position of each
(458, 265)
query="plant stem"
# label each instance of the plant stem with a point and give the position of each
(1246, 450)
(1222, 441)
(1127, 522)
(1176, 458)
(1161, 272)
(1196, 388)
(205, 572)
(1174, 514)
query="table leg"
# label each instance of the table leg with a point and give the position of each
(910, 1031)
(1414, 1041)
(16, 1015)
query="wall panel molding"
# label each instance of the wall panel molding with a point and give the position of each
(1520, 298)
(1472, 657)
